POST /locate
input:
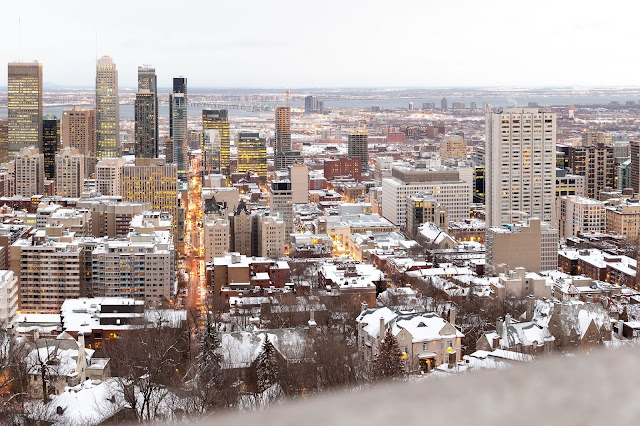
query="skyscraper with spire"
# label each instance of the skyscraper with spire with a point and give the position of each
(24, 92)
(107, 108)
(178, 124)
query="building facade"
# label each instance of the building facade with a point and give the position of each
(50, 144)
(145, 124)
(107, 109)
(577, 215)
(218, 120)
(24, 106)
(520, 165)
(70, 173)
(252, 154)
(29, 172)
(358, 146)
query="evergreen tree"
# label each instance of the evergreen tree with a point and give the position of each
(389, 361)
(208, 361)
(267, 366)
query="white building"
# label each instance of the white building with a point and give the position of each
(520, 165)
(109, 176)
(69, 173)
(452, 189)
(579, 215)
(48, 272)
(29, 172)
(272, 237)
(8, 297)
(216, 238)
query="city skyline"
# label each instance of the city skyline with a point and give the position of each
(396, 45)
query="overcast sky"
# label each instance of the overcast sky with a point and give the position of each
(329, 43)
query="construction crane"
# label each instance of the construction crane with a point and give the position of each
(287, 93)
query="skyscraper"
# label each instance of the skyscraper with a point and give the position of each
(252, 154)
(283, 137)
(178, 125)
(443, 104)
(145, 124)
(218, 119)
(283, 129)
(520, 165)
(148, 80)
(310, 104)
(50, 144)
(79, 131)
(358, 146)
(107, 108)
(24, 105)
(634, 169)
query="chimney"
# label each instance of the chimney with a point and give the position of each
(81, 339)
(507, 319)
(499, 326)
(312, 323)
(382, 330)
(452, 316)
(620, 328)
(496, 343)
(363, 306)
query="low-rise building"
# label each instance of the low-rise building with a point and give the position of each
(427, 339)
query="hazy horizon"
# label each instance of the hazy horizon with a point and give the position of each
(339, 44)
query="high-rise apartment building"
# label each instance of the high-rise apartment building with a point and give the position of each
(147, 80)
(50, 144)
(520, 165)
(69, 173)
(145, 124)
(281, 203)
(79, 131)
(29, 172)
(49, 272)
(4, 140)
(107, 109)
(358, 146)
(596, 163)
(178, 124)
(24, 105)
(443, 104)
(252, 154)
(218, 121)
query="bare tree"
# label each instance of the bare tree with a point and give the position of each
(150, 363)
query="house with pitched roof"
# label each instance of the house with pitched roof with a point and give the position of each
(427, 339)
